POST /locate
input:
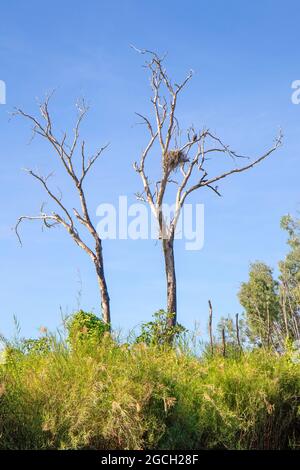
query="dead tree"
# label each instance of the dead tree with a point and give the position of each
(76, 164)
(223, 342)
(237, 329)
(210, 328)
(184, 161)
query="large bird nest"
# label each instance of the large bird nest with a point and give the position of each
(174, 159)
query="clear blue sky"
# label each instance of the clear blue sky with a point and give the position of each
(245, 56)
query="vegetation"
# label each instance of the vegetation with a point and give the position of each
(85, 327)
(90, 391)
(272, 306)
(161, 330)
(260, 299)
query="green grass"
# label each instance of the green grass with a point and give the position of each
(111, 396)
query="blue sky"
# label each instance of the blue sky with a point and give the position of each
(245, 56)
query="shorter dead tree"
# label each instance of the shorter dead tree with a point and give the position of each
(76, 165)
(182, 159)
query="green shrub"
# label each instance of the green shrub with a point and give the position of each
(37, 346)
(85, 327)
(158, 332)
(109, 396)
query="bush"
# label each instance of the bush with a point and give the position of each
(38, 346)
(85, 327)
(158, 332)
(109, 396)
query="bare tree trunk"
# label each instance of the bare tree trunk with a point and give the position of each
(284, 311)
(268, 326)
(105, 306)
(210, 327)
(168, 249)
(223, 342)
(238, 331)
(105, 300)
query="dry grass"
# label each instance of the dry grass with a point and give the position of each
(135, 397)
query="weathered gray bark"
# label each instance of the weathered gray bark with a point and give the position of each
(223, 342)
(105, 300)
(210, 327)
(238, 331)
(168, 249)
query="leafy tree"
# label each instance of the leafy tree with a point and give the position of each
(290, 278)
(290, 267)
(260, 299)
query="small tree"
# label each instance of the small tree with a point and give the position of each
(260, 299)
(63, 216)
(183, 162)
(273, 306)
(290, 279)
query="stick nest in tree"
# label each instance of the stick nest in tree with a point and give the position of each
(173, 159)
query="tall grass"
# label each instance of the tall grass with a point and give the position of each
(112, 396)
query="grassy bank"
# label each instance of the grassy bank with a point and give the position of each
(112, 396)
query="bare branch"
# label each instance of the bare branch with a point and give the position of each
(278, 143)
(147, 122)
(44, 217)
(91, 161)
(43, 181)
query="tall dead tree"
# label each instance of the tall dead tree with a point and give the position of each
(76, 164)
(237, 330)
(184, 161)
(211, 338)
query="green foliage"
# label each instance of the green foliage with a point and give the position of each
(233, 348)
(111, 396)
(37, 346)
(10, 353)
(158, 332)
(260, 299)
(292, 226)
(290, 266)
(85, 327)
(272, 306)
